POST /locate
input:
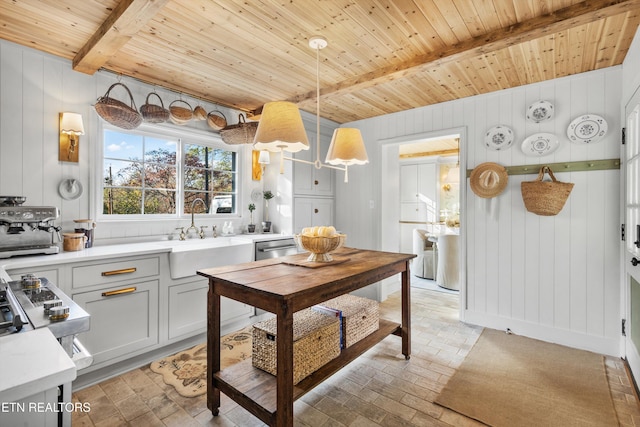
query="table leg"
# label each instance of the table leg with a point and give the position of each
(284, 377)
(406, 313)
(213, 347)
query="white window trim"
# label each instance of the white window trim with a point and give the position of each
(183, 133)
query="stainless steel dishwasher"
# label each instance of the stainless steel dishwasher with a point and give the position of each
(275, 248)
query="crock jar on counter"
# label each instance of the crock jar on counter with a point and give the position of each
(73, 241)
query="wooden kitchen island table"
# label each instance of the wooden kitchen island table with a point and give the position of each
(283, 286)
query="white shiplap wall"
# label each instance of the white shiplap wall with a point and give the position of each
(34, 88)
(554, 278)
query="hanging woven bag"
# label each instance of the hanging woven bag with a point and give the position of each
(241, 133)
(545, 198)
(117, 112)
(152, 113)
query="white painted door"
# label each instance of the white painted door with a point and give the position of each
(631, 159)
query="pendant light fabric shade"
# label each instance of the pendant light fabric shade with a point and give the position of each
(347, 148)
(281, 128)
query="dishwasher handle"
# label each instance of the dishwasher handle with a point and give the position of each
(277, 248)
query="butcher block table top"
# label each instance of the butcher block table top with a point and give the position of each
(283, 286)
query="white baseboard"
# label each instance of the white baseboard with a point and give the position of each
(597, 344)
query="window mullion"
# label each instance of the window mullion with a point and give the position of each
(180, 178)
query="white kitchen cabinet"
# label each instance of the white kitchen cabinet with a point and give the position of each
(124, 319)
(418, 192)
(312, 211)
(122, 297)
(307, 179)
(33, 411)
(187, 308)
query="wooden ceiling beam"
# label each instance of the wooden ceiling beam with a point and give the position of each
(560, 20)
(126, 19)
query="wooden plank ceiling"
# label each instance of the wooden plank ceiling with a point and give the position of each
(383, 56)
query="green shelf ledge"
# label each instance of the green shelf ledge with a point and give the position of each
(580, 166)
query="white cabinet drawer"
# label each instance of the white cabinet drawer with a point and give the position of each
(124, 319)
(86, 275)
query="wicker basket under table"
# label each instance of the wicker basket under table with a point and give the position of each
(316, 341)
(360, 316)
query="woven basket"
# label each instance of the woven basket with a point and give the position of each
(199, 113)
(180, 115)
(545, 198)
(241, 133)
(360, 316)
(152, 113)
(216, 120)
(117, 112)
(316, 341)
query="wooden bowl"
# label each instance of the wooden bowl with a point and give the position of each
(319, 246)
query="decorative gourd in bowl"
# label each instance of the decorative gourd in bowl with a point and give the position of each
(320, 241)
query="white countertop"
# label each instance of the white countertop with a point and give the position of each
(116, 250)
(32, 362)
(97, 252)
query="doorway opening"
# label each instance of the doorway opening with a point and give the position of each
(423, 201)
(429, 208)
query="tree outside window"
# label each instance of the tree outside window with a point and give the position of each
(140, 175)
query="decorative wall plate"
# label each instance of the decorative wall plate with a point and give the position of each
(256, 195)
(540, 144)
(498, 138)
(70, 189)
(540, 111)
(587, 129)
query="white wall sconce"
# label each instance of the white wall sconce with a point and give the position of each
(259, 160)
(264, 159)
(71, 127)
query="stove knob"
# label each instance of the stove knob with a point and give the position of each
(29, 281)
(48, 305)
(59, 313)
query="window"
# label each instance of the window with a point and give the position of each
(150, 173)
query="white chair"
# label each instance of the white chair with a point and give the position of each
(448, 270)
(424, 264)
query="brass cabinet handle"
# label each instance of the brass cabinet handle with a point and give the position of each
(119, 292)
(123, 271)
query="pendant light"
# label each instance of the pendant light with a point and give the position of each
(281, 129)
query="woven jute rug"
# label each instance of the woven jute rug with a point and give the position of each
(508, 380)
(187, 370)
